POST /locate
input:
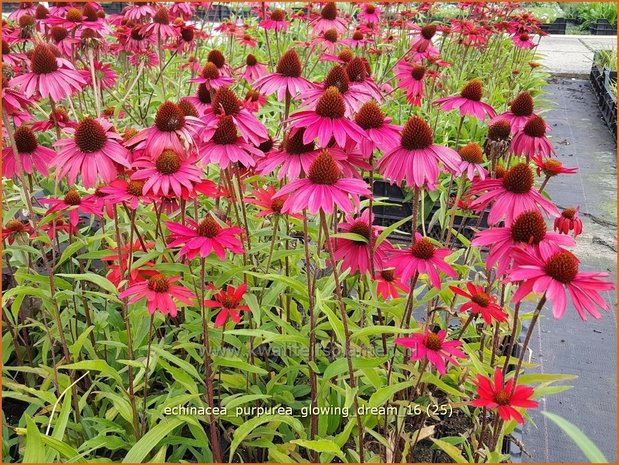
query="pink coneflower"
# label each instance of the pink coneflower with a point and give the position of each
(47, 76)
(523, 40)
(204, 238)
(167, 174)
(57, 116)
(253, 69)
(479, 302)
(184, 10)
(56, 225)
(286, 79)
(353, 96)
(146, 58)
(226, 147)
(519, 113)
(158, 291)
(202, 100)
(105, 75)
(212, 78)
(186, 38)
(276, 21)
(172, 130)
(328, 19)
(73, 203)
(379, 132)
(228, 301)
(24, 8)
(62, 40)
(551, 167)
(323, 188)
(129, 192)
(31, 155)
(369, 13)
(529, 228)
(247, 40)
(553, 274)
(160, 27)
(388, 285)
(218, 59)
(357, 39)
(327, 40)
(417, 158)
(433, 348)
(569, 221)
(532, 140)
(94, 153)
(71, 19)
(226, 104)
(411, 79)
(14, 228)
(294, 157)
(254, 101)
(139, 11)
(327, 121)
(472, 158)
(355, 253)
(512, 195)
(269, 206)
(13, 101)
(423, 257)
(358, 70)
(503, 397)
(139, 40)
(469, 102)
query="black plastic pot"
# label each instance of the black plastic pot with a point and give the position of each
(607, 101)
(603, 28)
(386, 215)
(557, 27)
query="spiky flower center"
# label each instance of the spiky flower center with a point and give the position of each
(361, 228)
(331, 104)
(43, 60)
(329, 11)
(41, 12)
(90, 12)
(418, 72)
(370, 9)
(518, 179)
(26, 21)
(388, 275)
(6, 48)
(25, 140)
(357, 35)
(552, 167)
(210, 71)
(225, 102)
(228, 302)
(562, 267)
(267, 145)
(472, 91)
(416, 134)
(535, 127)
(169, 117)
(168, 162)
(251, 60)
(428, 31)
(502, 397)
(370, 116)
(356, 70)
(187, 107)
(162, 16)
(277, 205)
(433, 342)
(337, 77)
(72, 198)
(330, 35)
(209, 227)
(522, 105)
(159, 283)
(569, 213)
(481, 298)
(324, 170)
(294, 143)
(90, 135)
(423, 249)
(472, 153)
(499, 130)
(289, 65)
(74, 15)
(524, 36)
(136, 33)
(204, 95)
(278, 15)
(345, 55)
(252, 95)
(499, 172)
(58, 33)
(529, 228)
(136, 187)
(225, 133)
(187, 34)
(129, 133)
(216, 57)
(14, 225)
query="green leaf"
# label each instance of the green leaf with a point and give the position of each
(70, 250)
(351, 237)
(100, 281)
(586, 445)
(388, 230)
(94, 365)
(150, 440)
(242, 431)
(450, 450)
(384, 394)
(320, 445)
(35, 449)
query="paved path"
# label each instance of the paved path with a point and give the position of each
(572, 55)
(569, 345)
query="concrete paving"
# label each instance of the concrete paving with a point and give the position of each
(569, 345)
(571, 55)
